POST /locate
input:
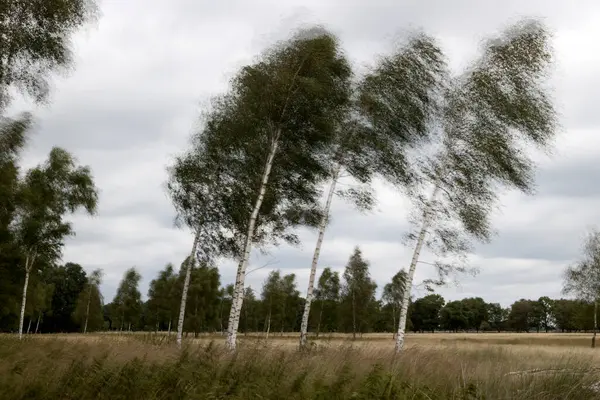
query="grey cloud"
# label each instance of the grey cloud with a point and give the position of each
(574, 179)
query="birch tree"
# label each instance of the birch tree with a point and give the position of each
(582, 279)
(90, 298)
(94, 281)
(45, 196)
(492, 113)
(390, 114)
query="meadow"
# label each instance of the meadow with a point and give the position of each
(433, 366)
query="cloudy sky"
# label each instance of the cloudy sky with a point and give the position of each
(145, 69)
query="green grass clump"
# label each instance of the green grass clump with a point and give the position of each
(155, 369)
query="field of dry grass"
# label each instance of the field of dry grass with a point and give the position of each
(434, 366)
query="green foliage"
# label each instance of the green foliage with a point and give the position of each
(36, 37)
(492, 114)
(164, 297)
(95, 319)
(357, 301)
(281, 301)
(46, 194)
(425, 315)
(128, 301)
(291, 99)
(202, 301)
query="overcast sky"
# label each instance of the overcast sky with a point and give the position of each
(144, 70)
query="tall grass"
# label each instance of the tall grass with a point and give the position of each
(148, 367)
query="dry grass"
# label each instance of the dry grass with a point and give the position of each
(434, 366)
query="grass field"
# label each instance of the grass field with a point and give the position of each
(434, 366)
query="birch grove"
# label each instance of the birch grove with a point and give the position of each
(292, 122)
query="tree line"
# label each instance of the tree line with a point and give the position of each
(69, 301)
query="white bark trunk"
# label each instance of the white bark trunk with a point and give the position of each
(427, 216)
(186, 285)
(87, 310)
(236, 304)
(315, 260)
(28, 264)
(37, 324)
(29, 326)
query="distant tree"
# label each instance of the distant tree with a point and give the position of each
(521, 316)
(128, 300)
(69, 281)
(36, 38)
(488, 115)
(326, 301)
(497, 316)
(164, 296)
(90, 298)
(476, 310)
(88, 311)
(393, 294)
(454, 316)
(358, 294)
(582, 279)
(426, 313)
(203, 300)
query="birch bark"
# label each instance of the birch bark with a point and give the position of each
(427, 216)
(236, 304)
(186, 285)
(29, 260)
(315, 260)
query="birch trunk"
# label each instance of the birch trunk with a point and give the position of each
(427, 216)
(29, 326)
(595, 323)
(169, 329)
(186, 285)
(28, 264)
(87, 310)
(236, 304)
(315, 260)
(37, 324)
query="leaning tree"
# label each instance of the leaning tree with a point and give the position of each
(492, 115)
(390, 113)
